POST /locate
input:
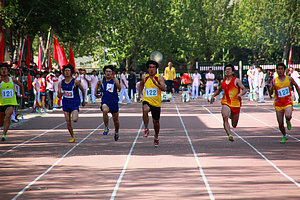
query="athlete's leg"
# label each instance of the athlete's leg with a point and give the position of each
(116, 121)
(74, 115)
(235, 120)
(6, 123)
(43, 101)
(288, 113)
(146, 110)
(2, 115)
(156, 127)
(69, 123)
(225, 114)
(279, 116)
(105, 110)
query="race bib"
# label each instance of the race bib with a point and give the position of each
(151, 92)
(283, 92)
(110, 87)
(69, 94)
(7, 93)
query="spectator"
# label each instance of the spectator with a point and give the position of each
(94, 79)
(210, 77)
(50, 90)
(261, 85)
(169, 75)
(196, 84)
(268, 79)
(131, 84)
(124, 87)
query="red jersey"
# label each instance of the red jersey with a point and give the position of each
(230, 94)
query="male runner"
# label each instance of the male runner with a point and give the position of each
(153, 84)
(7, 97)
(283, 102)
(109, 101)
(232, 99)
(68, 88)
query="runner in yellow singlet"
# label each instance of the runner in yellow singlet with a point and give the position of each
(153, 84)
(7, 97)
(283, 102)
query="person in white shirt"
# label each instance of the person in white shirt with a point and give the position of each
(210, 77)
(36, 89)
(84, 79)
(56, 81)
(255, 82)
(261, 85)
(250, 74)
(124, 87)
(50, 90)
(94, 79)
(295, 76)
(196, 78)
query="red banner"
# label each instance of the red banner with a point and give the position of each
(71, 57)
(2, 47)
(40, 64)
(28, 57)
(59, 56)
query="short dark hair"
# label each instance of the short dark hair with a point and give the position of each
(229, 65)
(68, 66)
(108, 67)
(281, 64)
(151, 62)
(94, 71)
(5, 65)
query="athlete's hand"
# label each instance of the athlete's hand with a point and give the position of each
(83, 103)
(212, 99)
(138, 98)
(24, 97)
(239, 97)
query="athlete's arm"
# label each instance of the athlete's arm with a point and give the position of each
(60, 94)
(142, 84)
(21, 88)
(160, 84)
(117, 83)
(242, 88)
(293, 82)
(272, 86)
(218, 91)
(78, 84)
(99, 83)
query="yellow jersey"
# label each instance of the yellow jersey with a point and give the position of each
(152, 93)
(283, 93)
(7, 93)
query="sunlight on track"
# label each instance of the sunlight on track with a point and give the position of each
(262, 155)
(196, 157)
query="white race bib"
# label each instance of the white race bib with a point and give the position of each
(7, 93)
(110, 87)
(283, 92)
(151, 92)
(69, 94)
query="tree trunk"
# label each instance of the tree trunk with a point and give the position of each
(285, 52)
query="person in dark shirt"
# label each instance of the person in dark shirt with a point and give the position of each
(131, 83)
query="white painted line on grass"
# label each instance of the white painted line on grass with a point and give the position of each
(114, 193)
(56, 163)
(211, 196)
(262, 155)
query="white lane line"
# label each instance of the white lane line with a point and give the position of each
(276, 129)
(114, 193)
(56, 163)
(13, 148)
(211, 196)
(262, 155)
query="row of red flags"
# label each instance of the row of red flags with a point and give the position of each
(59, 55)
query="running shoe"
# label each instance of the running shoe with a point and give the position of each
(146, 132)
(3, 138)
(116, 137)
(284, 138)
(156, 142)
(288, 125)
(72, 140)
(230, 138)
(106, 130)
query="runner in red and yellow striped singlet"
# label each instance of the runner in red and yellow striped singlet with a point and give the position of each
(231, 102)
(283, 102)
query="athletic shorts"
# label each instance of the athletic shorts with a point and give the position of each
(70, 108)
(235, 110)
(43, 93)
(3, 108)
(113, 108)
(155, 111)
(278, 108)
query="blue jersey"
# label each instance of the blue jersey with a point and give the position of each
(71, 94)
(110, 94)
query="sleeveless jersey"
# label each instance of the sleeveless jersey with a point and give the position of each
(152, 93)
(283, 95)
(42, 84)
(110, 93)
(230, 94)
(7, 93)
(71, 93)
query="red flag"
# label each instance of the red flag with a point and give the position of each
(28, 57)
(59, 56)
(290, 56)
(2, 47)
(63, 50)
(28, 82)
(40, 65)
(20, 57)
(49, 67)
(71, 57)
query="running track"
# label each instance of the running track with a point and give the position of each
(193, 161)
